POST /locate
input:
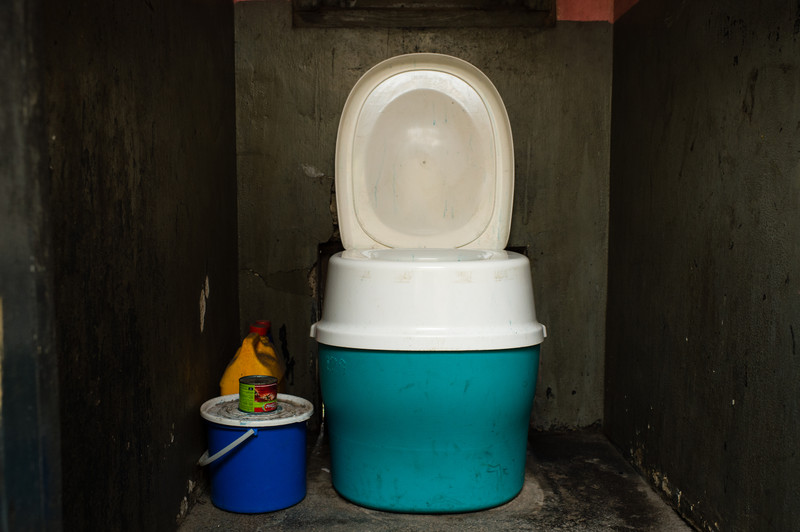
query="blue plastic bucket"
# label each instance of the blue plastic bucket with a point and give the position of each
(257, 462)
(428, 432)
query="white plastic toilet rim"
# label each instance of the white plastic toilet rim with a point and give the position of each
(429, 300)
(427, 255)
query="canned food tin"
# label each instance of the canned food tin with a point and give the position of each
(258, 393)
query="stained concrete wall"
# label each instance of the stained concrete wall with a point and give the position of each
(139, 118)
(703, 361)
(291, 85)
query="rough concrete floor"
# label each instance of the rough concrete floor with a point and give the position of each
(574, 481)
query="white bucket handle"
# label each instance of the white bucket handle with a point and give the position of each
(205, 459)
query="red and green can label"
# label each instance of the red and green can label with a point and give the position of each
(258, 393)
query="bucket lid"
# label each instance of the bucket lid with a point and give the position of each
(224, 410)
(424, 158)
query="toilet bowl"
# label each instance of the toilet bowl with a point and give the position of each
(428, 339)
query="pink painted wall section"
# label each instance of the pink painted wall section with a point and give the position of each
(592, 10)
(585, 10)
(621, 7)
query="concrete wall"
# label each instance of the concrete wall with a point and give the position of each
(291, 86)
(703, 361)
(139, 116)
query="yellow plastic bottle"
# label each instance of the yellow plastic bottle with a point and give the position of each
(256, 356)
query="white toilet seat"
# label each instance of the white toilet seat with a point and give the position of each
(424, 158)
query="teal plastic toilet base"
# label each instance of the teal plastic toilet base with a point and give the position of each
(428, 432)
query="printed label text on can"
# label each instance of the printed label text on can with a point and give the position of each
(258, 393)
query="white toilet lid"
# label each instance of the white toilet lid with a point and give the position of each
(424, 158)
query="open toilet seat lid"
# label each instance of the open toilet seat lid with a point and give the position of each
(424, 158)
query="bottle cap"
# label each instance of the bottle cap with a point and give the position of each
(261, 327)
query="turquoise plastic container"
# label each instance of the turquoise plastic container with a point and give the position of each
(428, 431)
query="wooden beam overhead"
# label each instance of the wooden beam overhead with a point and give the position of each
(430, 14)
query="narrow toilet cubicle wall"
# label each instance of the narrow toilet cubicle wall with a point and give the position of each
(136, 108)
(703, 358)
